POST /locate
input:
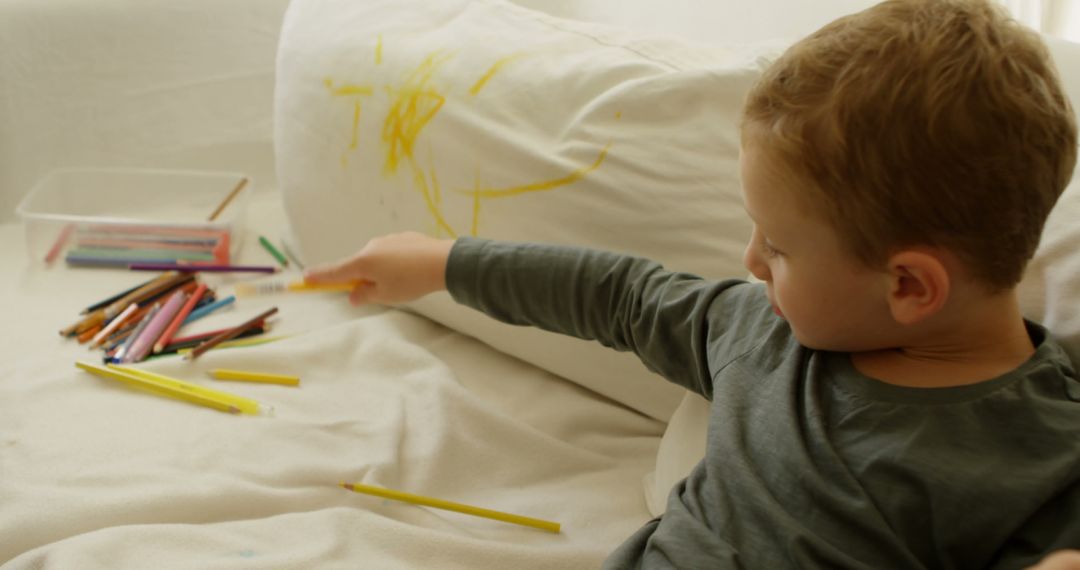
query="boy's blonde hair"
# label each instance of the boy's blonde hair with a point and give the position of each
(923, 122)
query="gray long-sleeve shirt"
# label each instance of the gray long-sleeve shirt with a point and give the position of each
(808, 463)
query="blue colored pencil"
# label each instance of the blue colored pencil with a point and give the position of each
(207, 309)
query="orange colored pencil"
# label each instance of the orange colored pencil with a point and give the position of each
(231, 333)
(178, 320)
(89, 333)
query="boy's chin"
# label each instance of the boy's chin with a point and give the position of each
(834, 344)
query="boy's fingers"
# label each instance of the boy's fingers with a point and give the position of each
(331, 273)
(361, 294)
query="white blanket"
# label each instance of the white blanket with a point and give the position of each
(96, 475)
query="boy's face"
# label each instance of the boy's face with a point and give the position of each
(831, 301)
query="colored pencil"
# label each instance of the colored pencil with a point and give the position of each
(124, 348)
(292, 254)
(451, 506)
(85, 336)
(114, 324)
(249, 376)
(119, 258)
(217, 211)
(242, 404)
(178, 319)
(58, 245)
(187, 286)
(99, 316)
(144, 306)
(115, 297)
(150, 334)
(131, 378)
(199, 337)
(194, 340)
(273, 251)
(201, 267)
(152, 230)
(211, 343)
(240, 342)
(274, 287)
(171, 281)
(207, 309)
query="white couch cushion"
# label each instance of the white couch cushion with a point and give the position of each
(483, 118)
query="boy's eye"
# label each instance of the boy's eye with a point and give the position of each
(768, 250)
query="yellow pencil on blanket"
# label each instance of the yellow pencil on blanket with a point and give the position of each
(240, 403)
(249, 376)
(451, 506)
(174, 388)
(277, 286)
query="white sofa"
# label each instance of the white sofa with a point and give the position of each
(96, 476)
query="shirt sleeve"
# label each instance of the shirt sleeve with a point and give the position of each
(625, 303)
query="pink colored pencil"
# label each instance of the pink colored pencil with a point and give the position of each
(142, 345)
(178, 320)
(62, 239)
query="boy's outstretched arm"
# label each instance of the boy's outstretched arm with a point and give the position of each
(391, 269)
(623, 302)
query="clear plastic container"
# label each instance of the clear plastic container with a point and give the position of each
(72, 212)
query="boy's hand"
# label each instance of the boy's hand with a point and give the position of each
(391, 269)
(1060, 560)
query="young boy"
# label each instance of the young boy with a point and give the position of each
(879, 401)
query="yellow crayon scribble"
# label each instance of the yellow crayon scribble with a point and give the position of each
(618, 115)
(434, 181)
(355, 125)
(356, 91)
(378, 50)
(415, 103)
(421, 184)
(574, 176)
(491, 73)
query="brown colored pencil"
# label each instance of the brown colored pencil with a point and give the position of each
(196, 338)
(231, 333)
(229, 198)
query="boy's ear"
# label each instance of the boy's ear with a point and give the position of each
(919, 285)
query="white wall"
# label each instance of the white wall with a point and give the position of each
(149, 83)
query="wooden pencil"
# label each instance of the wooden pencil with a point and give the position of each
(162, 284)
(195, 339)
(112, 299)
(231, 333)
(228, 199)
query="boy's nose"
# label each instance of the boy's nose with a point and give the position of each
(754, 263)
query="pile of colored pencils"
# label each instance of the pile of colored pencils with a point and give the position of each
(144, 321)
